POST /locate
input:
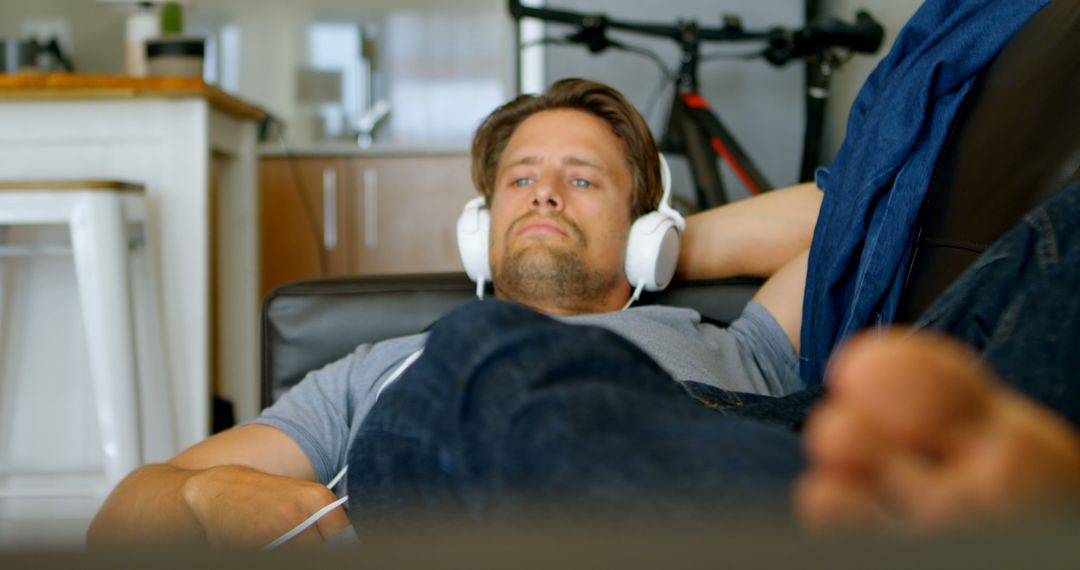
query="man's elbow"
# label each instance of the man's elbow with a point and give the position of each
(142, 508)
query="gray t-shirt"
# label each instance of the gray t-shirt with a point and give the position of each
(324, 411)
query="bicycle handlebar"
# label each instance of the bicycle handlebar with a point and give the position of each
(863, 36)
(727, 33)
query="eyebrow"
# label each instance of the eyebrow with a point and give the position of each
(569, 160)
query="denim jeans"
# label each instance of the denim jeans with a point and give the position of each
(1018, 305)
(509, 409)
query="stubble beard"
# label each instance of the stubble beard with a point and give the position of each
(550, 275)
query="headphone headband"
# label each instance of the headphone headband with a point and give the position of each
(665, 198)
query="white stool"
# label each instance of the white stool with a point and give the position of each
(98, 215)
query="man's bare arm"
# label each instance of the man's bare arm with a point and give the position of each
(756, 236)
(782, 296)
(764, 236)
(247, 485)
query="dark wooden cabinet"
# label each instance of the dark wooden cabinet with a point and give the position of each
(360, 215)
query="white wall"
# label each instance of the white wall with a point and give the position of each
(892, 14)
(760, 104)
(272, 36)
(96, 30)
(274, 42)
(273, 45)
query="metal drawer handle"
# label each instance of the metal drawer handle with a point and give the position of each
(371, 208)
(329, 192)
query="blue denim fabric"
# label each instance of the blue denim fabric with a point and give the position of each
(1018, 305)
(876, 184)
(508, 410)
(788, 411)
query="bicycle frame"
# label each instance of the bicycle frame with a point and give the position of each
(696, 132)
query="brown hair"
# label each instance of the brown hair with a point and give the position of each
(584, 95)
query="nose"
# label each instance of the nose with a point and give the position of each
(546, 194)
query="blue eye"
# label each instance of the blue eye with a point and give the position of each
(519, 182)
(581, 183)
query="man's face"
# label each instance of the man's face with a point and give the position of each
(560, 215)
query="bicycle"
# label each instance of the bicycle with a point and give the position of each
(693, 129)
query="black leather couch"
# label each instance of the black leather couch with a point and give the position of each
(310, 323)
(1016, 142)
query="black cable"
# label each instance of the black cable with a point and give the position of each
(667, 73)
(649, 54)
(667, 77)
(654, 98)
(551, 41)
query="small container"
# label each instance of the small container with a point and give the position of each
(141, 25)
(175, 57)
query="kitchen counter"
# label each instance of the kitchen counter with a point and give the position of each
(345, 149)
(194, 149)
(76, 86)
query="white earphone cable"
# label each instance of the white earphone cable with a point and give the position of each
(337, 478)
(398, 371)
(635, 295)
(315, 517)
(307, 523)
(333, 482)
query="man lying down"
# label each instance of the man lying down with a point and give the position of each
(644, 409)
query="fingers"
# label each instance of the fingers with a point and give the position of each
(825, 502)
(322, 530)
(326, 523)
(915, 429)
(333, 523)
(923, 391)
(837, 439)
(241, 506)
(898, 404)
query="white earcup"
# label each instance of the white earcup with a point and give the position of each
(473, 228)
(653, 247)
(652, 251)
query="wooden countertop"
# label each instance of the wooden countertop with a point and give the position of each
(61, 185)
(60, 86)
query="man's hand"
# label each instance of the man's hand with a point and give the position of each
(241, 506)
(248, 485)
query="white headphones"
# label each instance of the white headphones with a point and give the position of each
(651, 250)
